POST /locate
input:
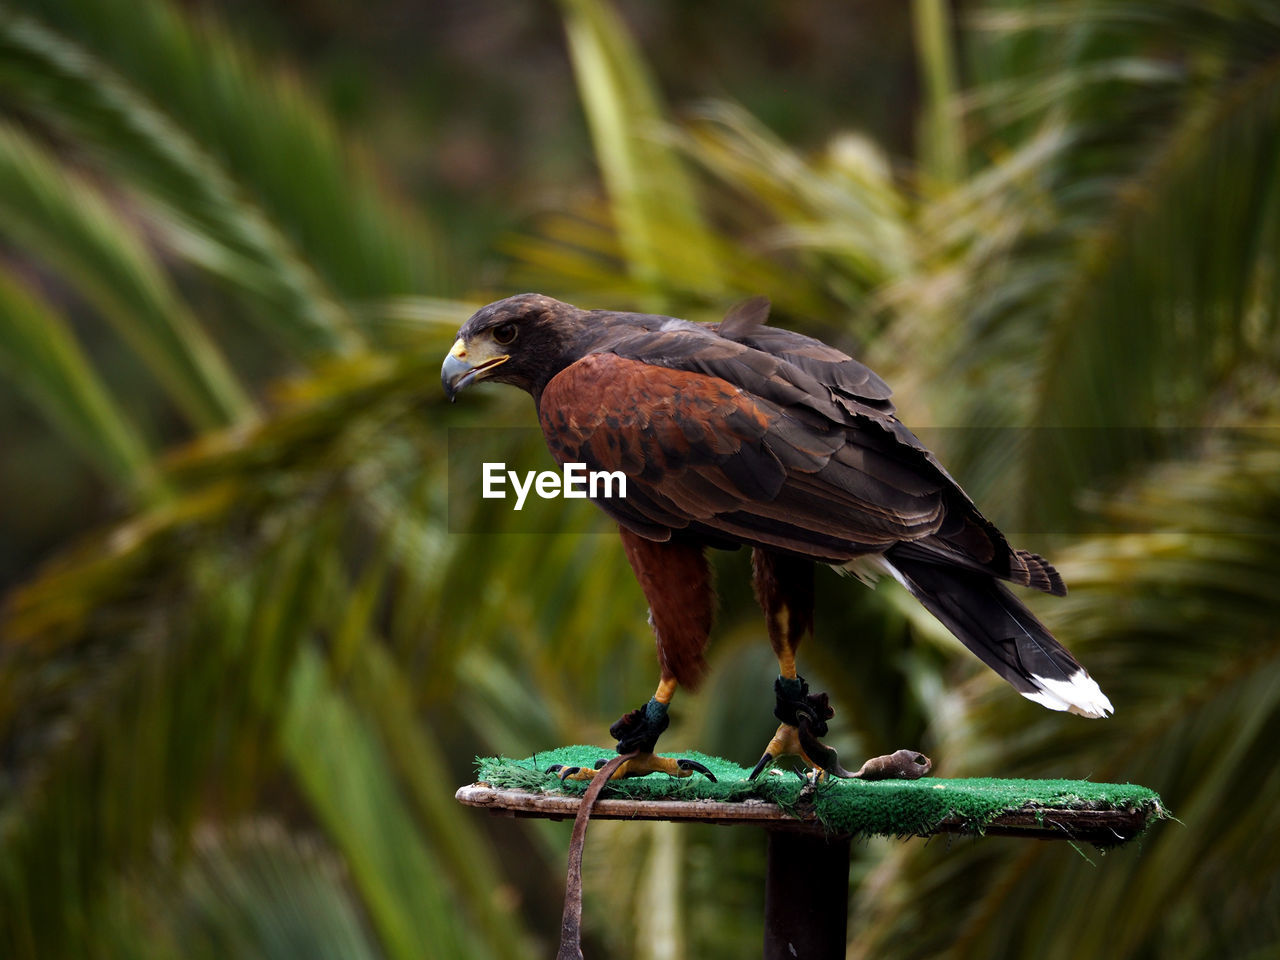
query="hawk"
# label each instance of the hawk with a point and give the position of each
(736, 434)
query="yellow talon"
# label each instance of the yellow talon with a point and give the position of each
(643, 764)
(786, 743)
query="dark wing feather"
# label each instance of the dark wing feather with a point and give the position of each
(745, 324)
(704, 455)
(821, 394)
(744, 318)
(782, 441)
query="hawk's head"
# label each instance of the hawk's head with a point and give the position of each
(523, 340)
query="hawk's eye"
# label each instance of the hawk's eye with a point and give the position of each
(504, 333)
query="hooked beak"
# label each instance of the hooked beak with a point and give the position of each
(463, 368)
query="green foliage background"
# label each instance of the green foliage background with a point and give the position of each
(256, 657)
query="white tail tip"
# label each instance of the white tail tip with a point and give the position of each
(1080, 695)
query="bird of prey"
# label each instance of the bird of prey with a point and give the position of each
(738, 434)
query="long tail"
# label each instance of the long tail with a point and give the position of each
(1004, 634)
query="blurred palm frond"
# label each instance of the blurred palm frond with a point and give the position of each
(304, 614)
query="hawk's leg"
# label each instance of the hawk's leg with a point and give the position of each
(804, 717)
(637, 732)
(784, 588)
(676, 581)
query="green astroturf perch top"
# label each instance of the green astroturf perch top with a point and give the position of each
(884, 807)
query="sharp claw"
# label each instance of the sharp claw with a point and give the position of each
(695, 766)
(555, 768)
(759, 767)
(567, 772)
(601, 762)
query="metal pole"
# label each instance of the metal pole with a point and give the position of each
(806, 897)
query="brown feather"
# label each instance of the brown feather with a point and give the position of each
(676, 580)
(704, 455)
(783, 587)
